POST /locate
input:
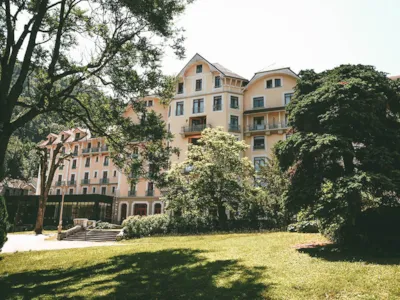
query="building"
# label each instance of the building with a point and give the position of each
(207, 95)
(16, 187)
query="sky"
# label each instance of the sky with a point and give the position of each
(251, 35)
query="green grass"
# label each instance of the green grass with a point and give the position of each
(229, 266)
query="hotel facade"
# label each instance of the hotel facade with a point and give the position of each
(207, 95)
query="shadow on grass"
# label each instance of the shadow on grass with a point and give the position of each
(167, 274)
(332, 252)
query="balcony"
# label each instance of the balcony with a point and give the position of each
(104, 149)
(73, 167)
(104, 180)
(132, 193)
(87, 165)
(150, 193)
(86, 151)
(59, 183)
(72, 182)
(267, 128)
(75, 153)
(106, 164)
(85, 181)
(259, 147)
(234, 127)
(194, 129)
(94, 150)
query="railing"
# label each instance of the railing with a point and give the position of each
(87, 165)
(85, 181)
(59, 183)
(257, 127)
(95, 149)
(73, 166)
(72, 182)
(259, 147)
(61, 167)
(86, 150)
(106, 164)
(195, 128)
(132, 193)
(104, 180)
(75, 153)
(104, 148)
(234, 127)
(150, 193)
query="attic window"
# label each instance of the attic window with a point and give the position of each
(62, 137)
(77, 136)
(199, 69)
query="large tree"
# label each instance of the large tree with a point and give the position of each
(54, 54)
(214, 178)
(344, 154)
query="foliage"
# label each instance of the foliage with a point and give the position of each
(106, 225)
(214, 178)
(3, 222)
(138, 226)
(62, 56)
(304, 226)
(344, 154)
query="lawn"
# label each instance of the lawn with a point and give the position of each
(230, 266)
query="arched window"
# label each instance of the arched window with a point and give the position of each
(124, 210)
(157, 208)
(140, 210)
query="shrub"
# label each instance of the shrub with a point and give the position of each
(3, 222)
(106, 225)
(304, 227)
(50, 227)
(190, 223)
(138, 226)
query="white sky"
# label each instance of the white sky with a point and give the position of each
(247, 36)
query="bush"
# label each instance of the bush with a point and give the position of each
(138, 226)
(106, 225)
(50, 227)
(304, 227)
(3, 222)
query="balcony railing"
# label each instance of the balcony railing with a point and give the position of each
(87, 165)
(132, 193)
(72, 182)
(59, 183)
(75, 153)
(95, 149)
(106, 164)
(104, 149)
(150, 193)
(85, 181)
(234, 127)
(86, 150)
(104, 180)
(73, 166)
(259, 147)
(258, 127)
(187, 130)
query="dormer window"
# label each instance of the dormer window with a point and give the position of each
(77, 136)
(180, 88)
(273, 83)
(199, 69)
(62, 137)
(217, 81)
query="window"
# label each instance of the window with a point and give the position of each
(258, 163)
(199, 84)
(234, 123)
(97, 159)
(198, 106)
(106, 160)
(113, 190)
(217, 103)
(58, 192)
(199, 68)
(103, 190)
(62, 137)
(180, 88)
(115, 173)
(217, 81)
(259, 143)
(63, 150)
(105, 173)
(278, 82)
(288, 98)
(84, 191)
(89, 145)
(149, 103)
(179, 108)
(59, 178)
(258, 102)
(98, 144)
(140, 209)
(94, 190)
(169, 111)
(77, 135)
(95, 174)
(270, 84)
(76, 150)
(74, 164)
(71, 191)
(273, 83)
(194, 141)
(258, 123)
(72, 178)
(86, 176)
(87, 162)
(157, 208)
(234, 102)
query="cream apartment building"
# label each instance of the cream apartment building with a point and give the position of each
(207, 95)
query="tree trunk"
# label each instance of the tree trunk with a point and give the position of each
(222, 217)
(4, 139)
(40, 214)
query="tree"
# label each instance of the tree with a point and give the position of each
(344, 154)
(3, 222)
(54, 54)
(213, 179)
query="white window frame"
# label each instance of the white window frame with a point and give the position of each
(204, 105)
(265, 143)
(273, 82)
(87, 190)
(119, 210)
(141, 202)
(230, 99)
(220, 79)
(176, 106)
(259, 156)
(101, 188)
(154, 206)
(283, 96)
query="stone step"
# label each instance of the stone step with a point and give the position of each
(94, 236)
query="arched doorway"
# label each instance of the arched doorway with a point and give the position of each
(124, 211)
(157, 208)
(140, 209)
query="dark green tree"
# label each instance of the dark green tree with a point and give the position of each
(55, 54)
(344, 154)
